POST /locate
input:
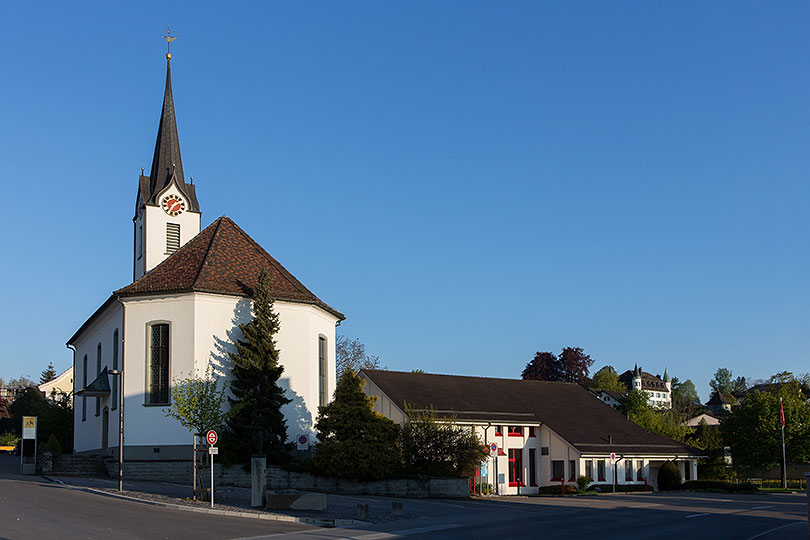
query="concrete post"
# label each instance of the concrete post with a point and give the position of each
(258, 481)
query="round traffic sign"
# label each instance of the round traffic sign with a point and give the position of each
(303, 439)
(211, 437)
(493, 447)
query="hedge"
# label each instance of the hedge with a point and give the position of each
(718, 485)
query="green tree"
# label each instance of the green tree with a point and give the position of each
(739, 386)
(53, 418)
(685, 398)
(753, 429)
(353, 440)
(257, 397)
(607, 379)
(197, 402)
(708, 438)
(723, 382)
(351, 354)
(48, 374)
(435, 447)
(663, 422)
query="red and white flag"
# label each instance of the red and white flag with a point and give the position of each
(781, 414)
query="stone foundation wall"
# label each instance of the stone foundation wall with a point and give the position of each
(180, 472)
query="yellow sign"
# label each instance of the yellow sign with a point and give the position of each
(29, 422)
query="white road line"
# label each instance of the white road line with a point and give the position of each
(761, 507)
(407, 532)
(769, 531)
(697, 515)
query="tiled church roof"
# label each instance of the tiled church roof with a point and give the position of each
(222, 259)
(568, 409)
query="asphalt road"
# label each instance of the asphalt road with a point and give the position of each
(31, 507)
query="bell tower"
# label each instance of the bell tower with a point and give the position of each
(167, 214)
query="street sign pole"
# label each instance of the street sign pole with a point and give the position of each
(211, 437)
(212, 478)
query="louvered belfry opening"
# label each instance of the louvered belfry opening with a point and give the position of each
(172, 237)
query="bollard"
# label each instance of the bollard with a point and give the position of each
(362, 511)
(396, 508)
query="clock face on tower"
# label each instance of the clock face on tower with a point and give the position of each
(173, 205)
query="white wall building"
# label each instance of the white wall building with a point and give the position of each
(181, 314)
(60, 386)
(659, 391)
(547, 433)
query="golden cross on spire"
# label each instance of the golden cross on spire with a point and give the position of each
(169, 38)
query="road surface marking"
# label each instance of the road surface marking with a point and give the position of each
(697, 515)
(769, 531)
(761, 507)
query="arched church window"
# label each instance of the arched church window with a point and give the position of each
(157, 371)
(323, 396)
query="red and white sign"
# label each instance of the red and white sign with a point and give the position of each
(211, 437)
(613, 458)
(493, 448)
(303, 442)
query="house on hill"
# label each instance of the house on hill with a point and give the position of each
(181, 313)
(718, 403)
(659, 391)
(547, 433)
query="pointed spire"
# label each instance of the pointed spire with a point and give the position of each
(666, 375)
(166, 160)
(636, 372)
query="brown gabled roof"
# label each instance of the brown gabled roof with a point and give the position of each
(648, 381)
(568, 409)
(222, 259)
(718, 399)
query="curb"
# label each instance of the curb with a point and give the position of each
(318, 522)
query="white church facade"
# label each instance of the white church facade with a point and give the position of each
(180, 315)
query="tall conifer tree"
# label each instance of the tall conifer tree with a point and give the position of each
(256, 398)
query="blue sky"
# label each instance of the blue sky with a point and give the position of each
(469, 182)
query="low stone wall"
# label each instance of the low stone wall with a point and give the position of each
(181, 472)
(71, 465)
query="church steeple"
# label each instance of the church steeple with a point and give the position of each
(166, 160)
(167, 214)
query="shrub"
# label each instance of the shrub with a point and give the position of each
(717, 485)
(620, 488)
(570, 489)
(9, 439)
(582, 482)
(435, 447)
(53, 445)
(669, 476)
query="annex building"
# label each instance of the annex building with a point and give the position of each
(190, 290)
(547, 433)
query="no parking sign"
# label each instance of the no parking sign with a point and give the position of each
(303, 442)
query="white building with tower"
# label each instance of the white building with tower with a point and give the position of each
(190, 290)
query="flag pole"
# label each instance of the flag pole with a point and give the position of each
(784, 461)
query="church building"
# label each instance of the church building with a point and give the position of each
(191, 289)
